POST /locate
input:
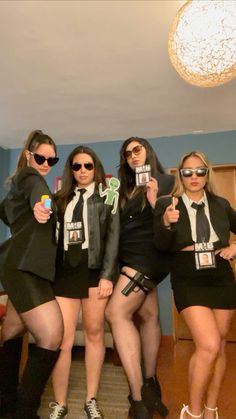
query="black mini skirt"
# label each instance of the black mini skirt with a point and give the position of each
(75, 282)
(213, 288)
(26, 290)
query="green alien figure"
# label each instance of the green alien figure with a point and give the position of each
(111, 193)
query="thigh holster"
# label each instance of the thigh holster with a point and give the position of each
(138, 281)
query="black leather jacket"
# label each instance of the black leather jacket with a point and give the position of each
(103, 229)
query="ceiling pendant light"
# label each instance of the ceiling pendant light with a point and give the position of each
(202, 42)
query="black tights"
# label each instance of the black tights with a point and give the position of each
(133, 344)
(44, 322)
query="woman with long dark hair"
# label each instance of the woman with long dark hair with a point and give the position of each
(86, 266)
(27, 262)
(195, 227)
(137, 342)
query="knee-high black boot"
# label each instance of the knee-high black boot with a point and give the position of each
(10, 355)
(37, 371)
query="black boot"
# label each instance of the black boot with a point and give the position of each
(154, 383)
(151, 395)
(10, 355)
(138, 409)
(37, 371)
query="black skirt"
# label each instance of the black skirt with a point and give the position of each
(213, 288)
(26, 290)
(73, 282)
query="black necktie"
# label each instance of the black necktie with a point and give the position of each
(74, 250)
(78, 210)
(202, 223)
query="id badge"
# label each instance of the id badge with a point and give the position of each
(74, 233)
(204, 256)
(142, 174)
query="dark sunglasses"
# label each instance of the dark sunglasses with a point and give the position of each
(136, 150)
(41, 159)
(199, 172)
(77, 166)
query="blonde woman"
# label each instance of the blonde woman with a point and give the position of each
(194, 223)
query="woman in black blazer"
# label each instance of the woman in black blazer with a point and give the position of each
(202, 279)
(27, 267)
(139, 260)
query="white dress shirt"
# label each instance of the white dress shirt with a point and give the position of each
(192, 216)
(69, 214)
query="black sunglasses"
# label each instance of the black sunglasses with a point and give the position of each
(199, 172)
(136, 150)
(77, 166)
(41, 159)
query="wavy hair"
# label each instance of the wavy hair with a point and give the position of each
(65, 194)
(178, 189)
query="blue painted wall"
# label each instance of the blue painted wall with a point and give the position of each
(220, 148)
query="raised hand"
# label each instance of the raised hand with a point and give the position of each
(41, 214)
(171, 214)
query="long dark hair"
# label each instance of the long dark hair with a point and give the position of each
(34, 140)
(127, 175)
(65, 194)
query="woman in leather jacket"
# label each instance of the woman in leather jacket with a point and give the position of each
(85, 271)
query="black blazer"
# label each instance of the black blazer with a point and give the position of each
(32, 246)
(222, 216)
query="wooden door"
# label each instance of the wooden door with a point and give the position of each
(225, 181)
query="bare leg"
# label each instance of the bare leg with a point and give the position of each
(223, 320)
(202, 324)
(150, 332)
(120, 311)
(93, 325)
(70, 308)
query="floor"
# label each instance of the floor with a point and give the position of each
(172, 372)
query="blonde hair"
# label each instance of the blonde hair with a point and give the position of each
(178, 189)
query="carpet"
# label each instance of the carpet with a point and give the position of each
(112, 395)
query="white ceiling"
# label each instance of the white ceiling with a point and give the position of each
(98, 70)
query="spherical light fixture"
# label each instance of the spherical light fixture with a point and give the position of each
(202, 42)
